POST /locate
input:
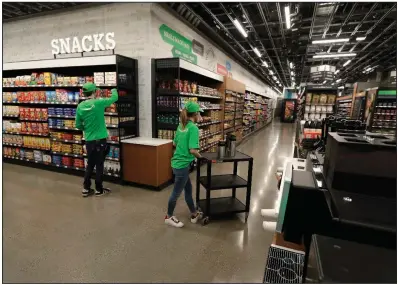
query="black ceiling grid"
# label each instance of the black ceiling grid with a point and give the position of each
(265, 24)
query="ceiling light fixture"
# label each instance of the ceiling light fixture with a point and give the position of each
(334, 55)
(287, 16)
(257, 52)
(292, 73)
(274, 77)
(347, 63)
(338, 80)
(337, 71)
(265, 64)
(359, 39)
(271, 72)
(240, 28)
(324, 82)
(341, 87)
(291, 64)
(330, 41)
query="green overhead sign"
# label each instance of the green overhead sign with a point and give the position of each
(175, 39)
(188, 57)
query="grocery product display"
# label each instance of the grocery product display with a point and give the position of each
(39, 120)
(343, 108)
(257, 112)
(172, 90)
(384, 112)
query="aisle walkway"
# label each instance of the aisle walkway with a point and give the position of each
(51, 234)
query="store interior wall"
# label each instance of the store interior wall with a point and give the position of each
(137, 35)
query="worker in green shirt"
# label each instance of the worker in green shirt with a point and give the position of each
(186, 142)
(91, 120)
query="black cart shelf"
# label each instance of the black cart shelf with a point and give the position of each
(224, 205)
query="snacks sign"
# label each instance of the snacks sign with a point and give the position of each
(95, 42)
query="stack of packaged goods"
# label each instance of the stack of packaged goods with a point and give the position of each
(166, 134)
(15, 140)
(36, 143)
(59, 123)
(33, 114)
(114, 153)
(11, 111)
(61, 112)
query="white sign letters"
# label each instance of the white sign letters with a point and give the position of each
(87, 43)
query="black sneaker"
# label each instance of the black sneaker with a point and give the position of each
(102, 191)
(86, 193)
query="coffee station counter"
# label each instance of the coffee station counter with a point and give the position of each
(147, 162)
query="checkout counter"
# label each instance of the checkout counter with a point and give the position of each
(343, 207)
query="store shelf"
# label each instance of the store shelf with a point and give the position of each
(33, 120)
(113, 126)
(61, 116)
(209, 135)
(223, 205)
(66, 141)
(208, 123)
(42, 103)
(387, 107)
(164, 109)
(111, 113)
(209, 146)
(26, 134)
(226, 181)
(57, 85)
(45, 163)
(10, 116)
(63, 128)
(67, 154)
(106, 158)
(167, 92)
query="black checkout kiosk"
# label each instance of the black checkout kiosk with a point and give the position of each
(344, 208)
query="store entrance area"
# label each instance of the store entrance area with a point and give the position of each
(51, 234)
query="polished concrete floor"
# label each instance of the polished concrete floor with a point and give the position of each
(52, 234)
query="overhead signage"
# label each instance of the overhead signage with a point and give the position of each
(181, 54)
(222, 69)
(198, 48)
(95, 42)
(175, 39)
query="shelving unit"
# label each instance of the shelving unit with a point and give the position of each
(224, 205)
(344, 105)
(39, 106)
(257, 114)
(383, 118)
(233, 102)
(319, 103)
(175, 81)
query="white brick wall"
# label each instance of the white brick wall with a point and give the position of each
(136, 28)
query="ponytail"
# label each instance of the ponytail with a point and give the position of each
(184, 118)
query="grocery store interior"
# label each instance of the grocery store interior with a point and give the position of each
(297, 178)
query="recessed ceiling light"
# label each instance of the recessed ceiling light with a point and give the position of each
(359, 39)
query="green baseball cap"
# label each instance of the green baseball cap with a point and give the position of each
(89, 87)
(192, 107)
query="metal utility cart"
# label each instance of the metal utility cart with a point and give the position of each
(224, 205)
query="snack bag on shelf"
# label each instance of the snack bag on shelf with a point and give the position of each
(74, 80)
(54, 80)
(60, 80)
(47, 78)
(33, 79)
(40, 79)
(14, 96)
(66, 81)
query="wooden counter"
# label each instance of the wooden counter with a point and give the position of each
(146, 161)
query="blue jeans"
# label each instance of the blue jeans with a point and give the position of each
(181, 182)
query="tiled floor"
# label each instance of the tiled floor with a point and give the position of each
(52, 234)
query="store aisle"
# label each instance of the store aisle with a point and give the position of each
(52, 234)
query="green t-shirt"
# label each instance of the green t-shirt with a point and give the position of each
(184, 141)
(90, 117)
